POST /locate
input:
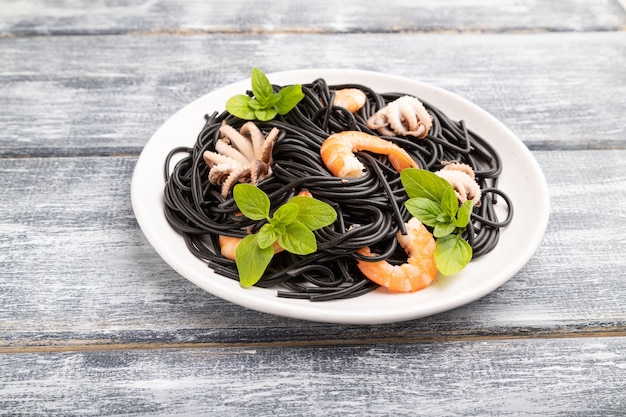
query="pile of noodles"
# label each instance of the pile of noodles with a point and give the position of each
(370, 209)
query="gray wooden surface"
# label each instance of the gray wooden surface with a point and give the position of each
(93, 322)
(80, 17)
(107, 95)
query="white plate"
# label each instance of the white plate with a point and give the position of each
(521, 179)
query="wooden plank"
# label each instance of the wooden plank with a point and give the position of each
(107, 95)
(76, 269)
(32, 17)
(499, 378)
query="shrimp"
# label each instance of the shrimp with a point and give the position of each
(337, 152)
(417, 273)
(228, 246)
(350, 98)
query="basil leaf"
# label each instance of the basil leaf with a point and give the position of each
(313, 213)
(252, 201)
(452, 254)
(254, 104)
(265, 115)
(464, 214)
(298, 239)
(265, 104)
(274, 98)
(444, 218)
(290, 96)
(239, 106)
(266, 236)
(449, 202)
(423, 183)
(285, 215)
(252, 260)
(426, 210)
(261, 86)
(443, 229)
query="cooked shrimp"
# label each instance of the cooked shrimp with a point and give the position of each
(350, 98)
(417, 273)
(338, 153)
(305, 193)
(228, 246)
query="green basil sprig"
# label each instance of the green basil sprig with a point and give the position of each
(265, 104)
(433, 201)
(291, 225)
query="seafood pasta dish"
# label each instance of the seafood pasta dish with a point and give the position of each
(330, 191)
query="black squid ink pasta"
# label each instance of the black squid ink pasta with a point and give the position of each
(370, 208)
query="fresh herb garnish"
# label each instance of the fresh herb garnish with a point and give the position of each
(265, 104)
(291, 225)
(433, 201)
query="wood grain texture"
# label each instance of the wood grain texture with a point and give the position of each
(76, 270)
(107, 95)
(581, 377)
(46, 17)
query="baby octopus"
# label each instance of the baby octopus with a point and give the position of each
(241, 156)
(404, 116)
(462, 178)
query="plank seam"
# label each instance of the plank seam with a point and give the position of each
(65, 348)
(302, 31)
(133, 152)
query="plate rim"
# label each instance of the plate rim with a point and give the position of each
(304, 309)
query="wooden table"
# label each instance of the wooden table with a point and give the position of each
(94, 322)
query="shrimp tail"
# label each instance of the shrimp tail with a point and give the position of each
(402, 161)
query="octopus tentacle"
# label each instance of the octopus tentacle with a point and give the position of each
(251, 130)
(462, 180)
(268, 146)
(214, 158)
(239, 141)
(459, 167)
(224, 148)
(237, 175)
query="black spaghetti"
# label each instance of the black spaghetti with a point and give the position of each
(370, 208)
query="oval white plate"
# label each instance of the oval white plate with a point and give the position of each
(521, 179)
